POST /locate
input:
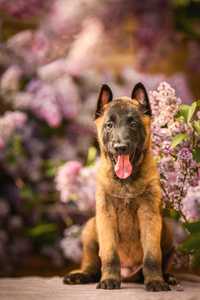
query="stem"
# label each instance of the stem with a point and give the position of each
(163, 188)
(165, 192)
(181, 193)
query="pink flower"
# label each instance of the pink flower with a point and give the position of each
(84, 49)
(67, 97)
(21, 40)
(52, 70)
(10, 79)
(72, 169)
(191, 204)
(9, 123)
(75, 182)
(66, 179)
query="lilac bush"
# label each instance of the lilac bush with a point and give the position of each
(175, 141)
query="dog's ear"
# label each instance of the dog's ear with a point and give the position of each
(140, 94)
(105, 96)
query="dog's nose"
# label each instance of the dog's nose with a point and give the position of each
(120, 148)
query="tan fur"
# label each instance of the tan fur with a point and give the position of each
(128, 224)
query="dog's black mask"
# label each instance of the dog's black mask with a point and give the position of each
(123, 130)
(123, 137)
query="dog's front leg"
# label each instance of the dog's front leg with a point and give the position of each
(150, 229)
(110, 264)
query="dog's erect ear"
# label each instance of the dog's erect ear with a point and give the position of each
(105, 96)
(140, 94)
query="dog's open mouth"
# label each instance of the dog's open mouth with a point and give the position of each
(123, 167)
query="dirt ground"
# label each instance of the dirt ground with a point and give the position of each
(32, 288)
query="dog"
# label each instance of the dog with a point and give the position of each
(128, 239)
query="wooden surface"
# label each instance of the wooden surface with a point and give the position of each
(32, 288)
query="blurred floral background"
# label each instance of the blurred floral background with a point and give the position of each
(54, 55)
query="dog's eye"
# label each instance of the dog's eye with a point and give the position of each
(109, 125)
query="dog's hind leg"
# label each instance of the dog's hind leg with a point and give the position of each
(90, 270)
(167, 261)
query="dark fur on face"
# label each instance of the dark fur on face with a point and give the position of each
(122, 129)
(123, 126)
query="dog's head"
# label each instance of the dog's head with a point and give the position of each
(123, 127)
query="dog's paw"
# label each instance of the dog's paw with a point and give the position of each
(157, 286)
(77, 278)
(170, 279)
(109, 284)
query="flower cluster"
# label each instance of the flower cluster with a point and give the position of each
(77, 183)
(70, 243)
(178, 169)
(191, 203)
(50, 102)
(164, 104)
(10, 80)
(24, 9)
(9, 123)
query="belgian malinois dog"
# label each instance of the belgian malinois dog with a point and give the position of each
(128, 239)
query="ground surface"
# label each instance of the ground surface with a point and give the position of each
(32, 288)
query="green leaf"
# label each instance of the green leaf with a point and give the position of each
(193, 227)
(183, 111)
(42, 229)
(181, 3)
(178, 139)
(27, 192)
(196, 125)
(195, 261)
(92, 153)
(198, 103)
(192, 244)
(51, 172)
(191, 111)
(196, 154)
(43, 234)
(174, 214)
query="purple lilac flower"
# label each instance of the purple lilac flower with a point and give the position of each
(9, 122)
(184, 154)
(51, 102)
(25, 9)
(191, 204)
(70, 244)
(10, 79)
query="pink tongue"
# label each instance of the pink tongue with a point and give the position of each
(123, 167)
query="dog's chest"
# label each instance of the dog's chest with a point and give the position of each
(127, 224)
